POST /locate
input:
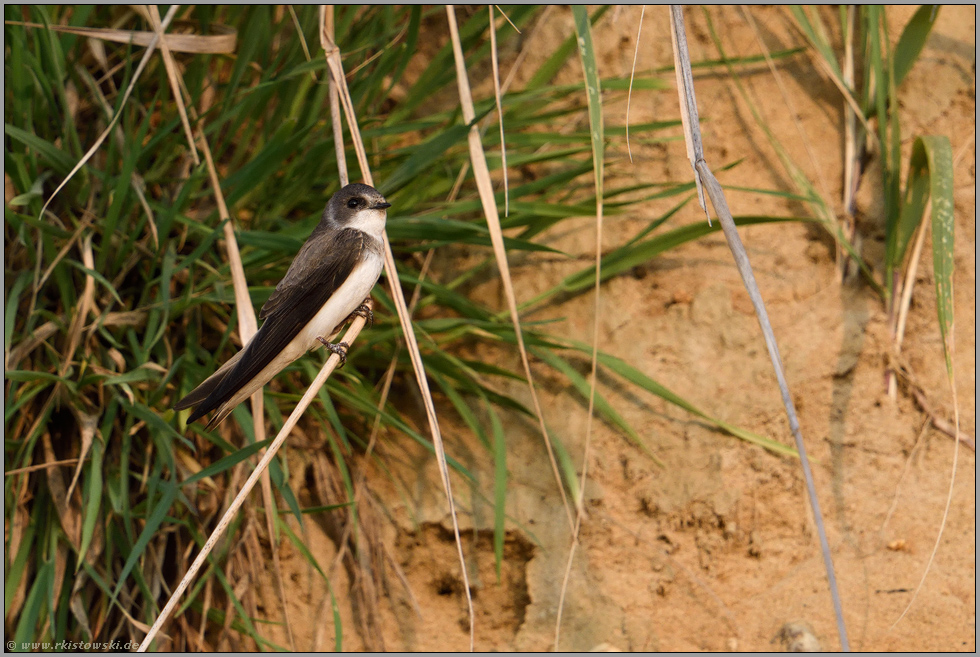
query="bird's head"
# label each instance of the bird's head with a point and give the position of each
(358, 206)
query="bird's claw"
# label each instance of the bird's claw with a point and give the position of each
(341, 349)
(363, 310)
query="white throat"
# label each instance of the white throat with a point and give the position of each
(370, 221)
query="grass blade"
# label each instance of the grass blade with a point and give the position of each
(933, 157)
(913, 40)
(583, 31)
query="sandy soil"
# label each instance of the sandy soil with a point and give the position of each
(716, 548)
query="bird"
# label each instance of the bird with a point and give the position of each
(328, 283)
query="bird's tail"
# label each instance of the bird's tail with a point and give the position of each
(201, 392)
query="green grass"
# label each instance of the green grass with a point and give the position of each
(871, 86)
(930, 168)
(159, 317)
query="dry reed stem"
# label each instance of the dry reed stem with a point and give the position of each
(731, 234)
(689, 114)
(485, 187)
(500, 111)
(332, 53)
(852, 160)
(910, 274)
(854, 140)
(629, 94)
(705, 178)
(34, 468)
(506, 18)
(336, 119)
(206, 604)
(341, 156)
(328, 367)
(223, 43)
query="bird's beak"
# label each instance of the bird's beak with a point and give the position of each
(381, 206)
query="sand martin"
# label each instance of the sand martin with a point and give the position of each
(326, 285)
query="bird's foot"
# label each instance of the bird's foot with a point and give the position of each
(363, 310)
(341, 349)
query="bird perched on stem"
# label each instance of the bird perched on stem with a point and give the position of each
(327, 285)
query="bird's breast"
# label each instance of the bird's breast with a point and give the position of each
(343, 302)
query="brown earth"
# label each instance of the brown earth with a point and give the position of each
(715, 549)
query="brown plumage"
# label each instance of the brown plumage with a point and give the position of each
(331, 276)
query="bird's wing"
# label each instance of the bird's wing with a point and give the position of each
(310, 265)
(313, 278)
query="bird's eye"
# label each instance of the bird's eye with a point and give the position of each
(353, 203)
